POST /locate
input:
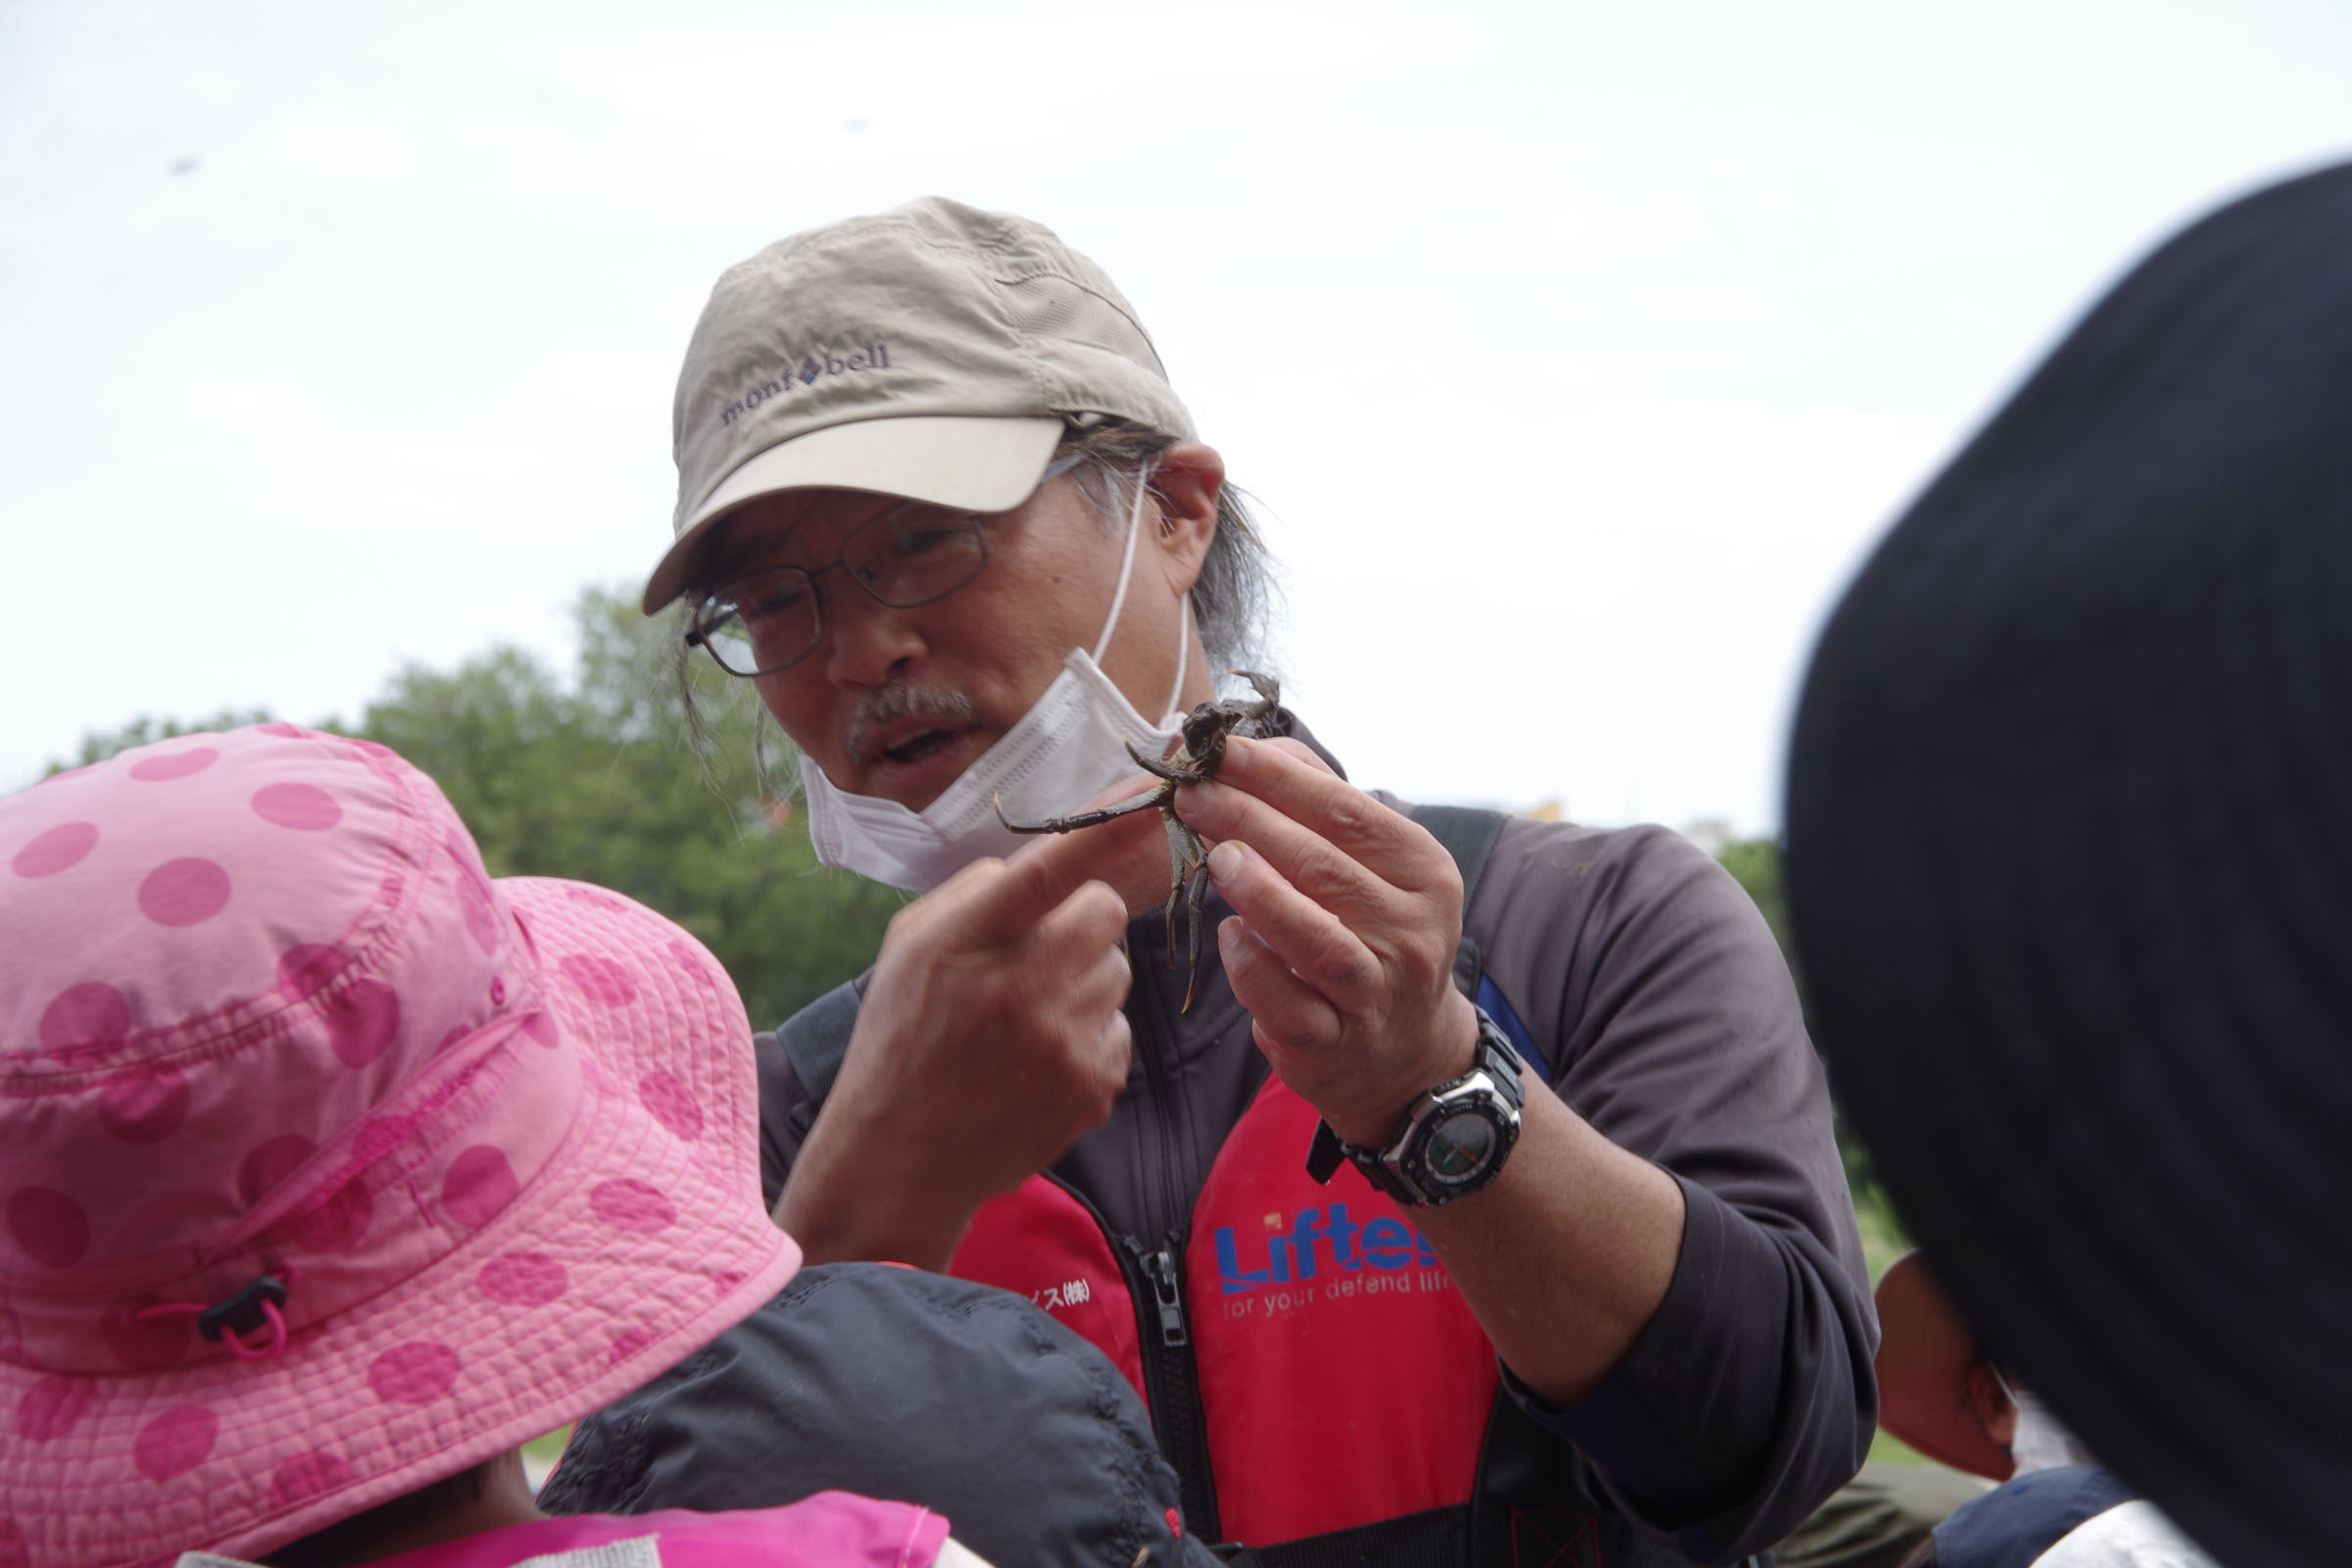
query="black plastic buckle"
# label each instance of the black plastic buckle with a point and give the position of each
(242, 1312)
(1325, 1155)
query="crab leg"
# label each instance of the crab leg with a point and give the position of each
(1071, 824)
(1179, 867)
(1194, 897)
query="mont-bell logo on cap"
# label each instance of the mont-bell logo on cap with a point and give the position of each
(813, 368)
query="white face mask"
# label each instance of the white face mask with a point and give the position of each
(1067, 748)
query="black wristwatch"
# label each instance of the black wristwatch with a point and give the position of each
(1453, 1140)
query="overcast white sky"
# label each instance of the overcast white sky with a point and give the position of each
(1576, 351)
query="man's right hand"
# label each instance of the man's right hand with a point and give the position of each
(989, 1038)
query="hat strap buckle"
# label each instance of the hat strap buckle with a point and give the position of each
(234, 1321)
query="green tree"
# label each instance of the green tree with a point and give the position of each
(604, 778)
(607, 780)
(99, 745)
(1756, 864)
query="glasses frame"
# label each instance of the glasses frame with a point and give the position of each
(700, 632)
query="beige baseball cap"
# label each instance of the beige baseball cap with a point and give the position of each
(935, 351)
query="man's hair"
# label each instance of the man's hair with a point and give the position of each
(1235, 590)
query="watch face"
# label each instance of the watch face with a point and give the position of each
(1460, 1143)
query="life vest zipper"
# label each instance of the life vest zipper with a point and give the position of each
(1156, 1275)
(1155, 1279)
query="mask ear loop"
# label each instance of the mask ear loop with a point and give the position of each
(2015, 1408)
(1118, 600)
(1184, 652)
(1135, 519)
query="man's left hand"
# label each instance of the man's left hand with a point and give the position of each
(1346, 918)
(1347, 914)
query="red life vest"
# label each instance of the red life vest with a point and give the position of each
(1334, 1378)
(1342, 1379)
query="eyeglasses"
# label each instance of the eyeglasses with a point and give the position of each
(912, 553)
(770, 620)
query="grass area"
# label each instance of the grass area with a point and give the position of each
(1887, 1448)
(549, 1447)
(1882, 1237)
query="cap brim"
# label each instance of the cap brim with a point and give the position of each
(1925, 1351)
(976, 464)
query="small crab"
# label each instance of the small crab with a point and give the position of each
(1205, 731)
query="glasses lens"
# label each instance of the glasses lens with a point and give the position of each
(760, 623)
(913, 554)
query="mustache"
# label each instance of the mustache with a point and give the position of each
(884, 707)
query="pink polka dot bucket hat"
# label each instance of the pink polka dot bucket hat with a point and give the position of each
(330, 1165)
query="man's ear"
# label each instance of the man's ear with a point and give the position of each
(1990, 1404)
(1186, 481)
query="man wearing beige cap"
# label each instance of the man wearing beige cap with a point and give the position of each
(1574, 1275)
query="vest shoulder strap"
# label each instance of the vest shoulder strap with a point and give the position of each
(814, 1040)
(1469, 833)
(796, 1063)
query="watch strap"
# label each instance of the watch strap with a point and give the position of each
(1496, 1058)
(1325, 1155)
(1329, 1151)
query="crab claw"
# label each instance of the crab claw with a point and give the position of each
(1156, 766)
(1267, 686)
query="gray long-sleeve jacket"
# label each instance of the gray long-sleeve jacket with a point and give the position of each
(1664, 1014)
